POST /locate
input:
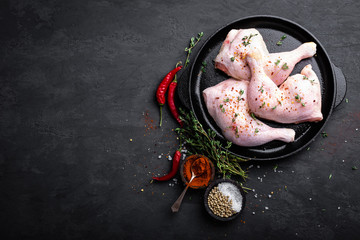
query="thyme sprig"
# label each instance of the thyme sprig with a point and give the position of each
(193, 42)
(200, 141)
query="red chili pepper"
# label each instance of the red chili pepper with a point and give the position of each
(160, 93)
(174, 169)
(171, 101)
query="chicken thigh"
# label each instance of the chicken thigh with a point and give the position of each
(297, 100)
(277, 66)
(227, 104)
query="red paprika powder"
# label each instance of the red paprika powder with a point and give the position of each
(203, 169)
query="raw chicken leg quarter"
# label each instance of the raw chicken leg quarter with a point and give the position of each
(277, 66)
(227, 104)
(297, 100)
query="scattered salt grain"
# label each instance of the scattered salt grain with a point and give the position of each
(269, 195)
(169, 158)
(258, 166)
(266, 208)
(338, 208)
(234, 194)
(159, 156)
(310, 199)
(253, 213)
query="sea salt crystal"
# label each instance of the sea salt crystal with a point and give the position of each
(234, 194)
(169, 158)
(159, 156)
(266, 208)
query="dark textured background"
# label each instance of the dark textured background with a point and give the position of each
(77, 82)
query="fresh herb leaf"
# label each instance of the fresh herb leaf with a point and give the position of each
(285, 66)
(232, 59)
(330, 176)
(277, 62)
(246, 39)
(283, 37)
(303, 104)
(191, 46)
(226, 100)
(241, 92)
(256, 130)
(354, 168)
(273, 108)
(324, 134)
(203, 66)
(261, 89)
(279, 43)
(262, 105)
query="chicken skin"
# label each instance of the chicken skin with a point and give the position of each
(227, 103)
(277, 66)
(297, 100)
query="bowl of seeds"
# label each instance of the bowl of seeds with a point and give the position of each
(224, 199)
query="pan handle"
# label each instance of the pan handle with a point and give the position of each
(341, 85)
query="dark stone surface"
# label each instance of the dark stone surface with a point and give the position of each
(77, 84)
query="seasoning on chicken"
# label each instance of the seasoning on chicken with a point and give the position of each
(227, 103)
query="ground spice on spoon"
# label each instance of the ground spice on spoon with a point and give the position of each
(202, 169)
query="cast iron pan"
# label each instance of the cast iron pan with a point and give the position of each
(333, 85)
